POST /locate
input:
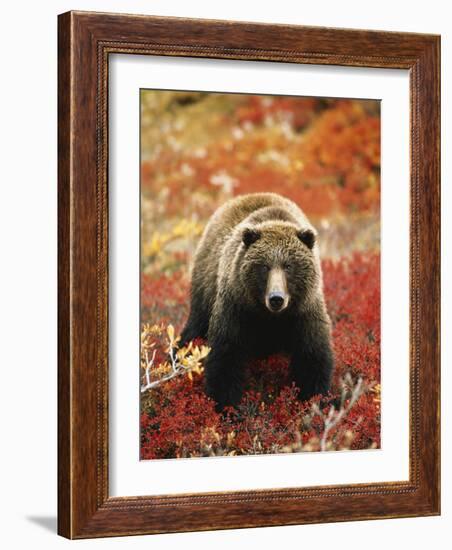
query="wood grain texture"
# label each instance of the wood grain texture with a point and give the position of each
(85, 42)
(64, 296)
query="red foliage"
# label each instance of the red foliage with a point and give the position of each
(324, 154)
(164, 298)
(260, 108)
(331, 166)
(179, 420)
(352, 289)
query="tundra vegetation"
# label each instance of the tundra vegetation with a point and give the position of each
(197, 151)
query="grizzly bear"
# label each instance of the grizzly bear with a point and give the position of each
(256, 290)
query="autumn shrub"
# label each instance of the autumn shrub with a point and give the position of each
(178, 420)
(198, 150)
(326, 159)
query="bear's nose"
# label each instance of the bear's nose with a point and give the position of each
(276, 300)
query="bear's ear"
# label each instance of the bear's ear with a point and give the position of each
(250, 236)
(307, 237)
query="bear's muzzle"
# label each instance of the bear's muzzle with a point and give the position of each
(276, 295)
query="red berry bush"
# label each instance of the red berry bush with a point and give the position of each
(178, 420)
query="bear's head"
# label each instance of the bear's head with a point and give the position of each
(279, 267)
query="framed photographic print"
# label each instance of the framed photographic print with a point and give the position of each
(248, 275)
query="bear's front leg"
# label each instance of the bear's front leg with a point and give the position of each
(198, 320)
(224, 376)
(312, 359)
(224, 364)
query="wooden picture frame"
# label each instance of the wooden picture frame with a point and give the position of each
(85, 42)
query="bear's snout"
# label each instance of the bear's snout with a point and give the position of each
(276, 295)
(276, 300)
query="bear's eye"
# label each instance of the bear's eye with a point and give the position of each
(287, 266)
(262, 268)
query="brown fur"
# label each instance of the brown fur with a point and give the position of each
(244, 239)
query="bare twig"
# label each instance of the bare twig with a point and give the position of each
(186, 360)
(334, 416)
(149, 364)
